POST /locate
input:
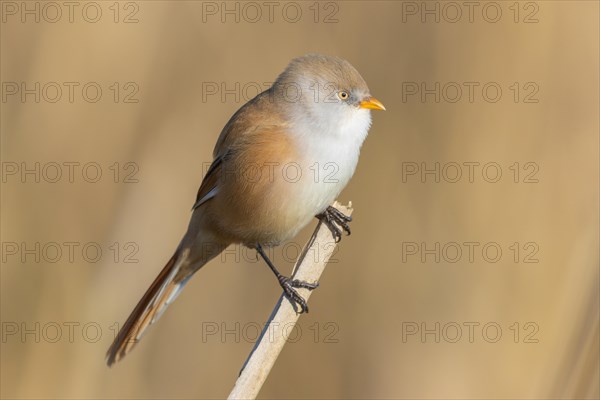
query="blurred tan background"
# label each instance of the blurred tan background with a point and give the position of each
(528, 322)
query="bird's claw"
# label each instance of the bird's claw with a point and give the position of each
(292, 294)
(333, 217)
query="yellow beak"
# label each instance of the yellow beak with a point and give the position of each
(371, 103)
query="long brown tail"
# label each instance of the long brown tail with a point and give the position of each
(165, 288)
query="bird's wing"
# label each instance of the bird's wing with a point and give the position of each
(209, 186)
(258, 115)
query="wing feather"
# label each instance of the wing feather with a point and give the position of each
(256, 116)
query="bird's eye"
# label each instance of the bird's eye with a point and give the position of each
(343, 95)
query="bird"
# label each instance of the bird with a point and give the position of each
(280, 161)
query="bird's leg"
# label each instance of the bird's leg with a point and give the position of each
(332, 217)
(289, 284)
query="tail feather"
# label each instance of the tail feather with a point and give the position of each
(163, 291)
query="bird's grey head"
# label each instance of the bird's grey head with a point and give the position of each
(325, 89)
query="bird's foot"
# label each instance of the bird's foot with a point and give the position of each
(288, 286)
(333, 217)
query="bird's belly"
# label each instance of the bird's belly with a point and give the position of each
(276, 208)
(286, 206)
(272, 203)
(305, 189)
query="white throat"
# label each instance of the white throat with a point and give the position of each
(330, 150)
